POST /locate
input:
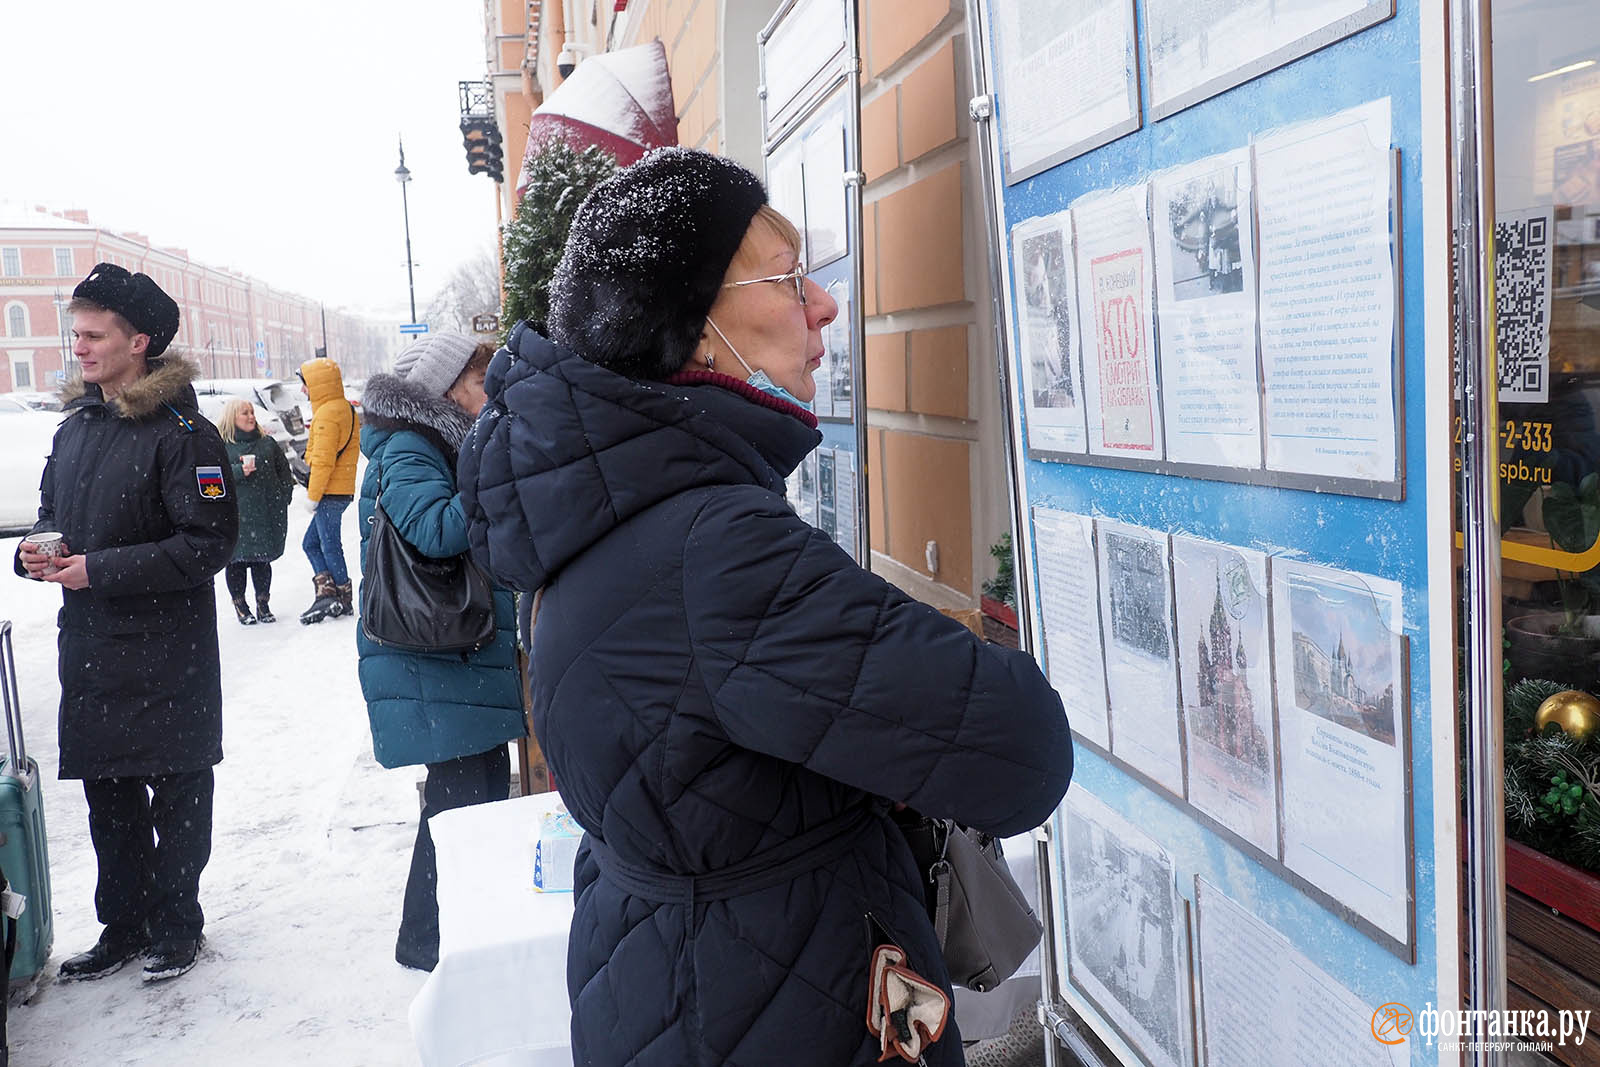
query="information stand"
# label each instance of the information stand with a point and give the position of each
(811, 136)
(1227, 382)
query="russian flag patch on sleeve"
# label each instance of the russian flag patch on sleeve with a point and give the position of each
(212, 487)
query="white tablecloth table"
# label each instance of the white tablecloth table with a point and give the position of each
(499, 993)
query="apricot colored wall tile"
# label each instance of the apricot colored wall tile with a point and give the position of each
(894, 27)
(880, 136)
(877, 523)
(919, 243)
(886, 371)
(869, 259)
(928, 496)
(928, 106)
(938, 372)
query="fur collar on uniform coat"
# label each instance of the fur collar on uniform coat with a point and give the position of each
(169, 376)
(392, 403)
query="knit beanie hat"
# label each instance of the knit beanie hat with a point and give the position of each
(645, 259)
(435, 362)
(137, 298)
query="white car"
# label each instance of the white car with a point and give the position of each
(25, 439)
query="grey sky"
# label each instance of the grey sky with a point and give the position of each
(260, 137)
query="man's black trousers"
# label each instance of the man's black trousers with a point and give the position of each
(152, 838)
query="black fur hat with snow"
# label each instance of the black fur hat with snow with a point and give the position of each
(137, 298)
(645, 259)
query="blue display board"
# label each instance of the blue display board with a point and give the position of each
(1317, 558)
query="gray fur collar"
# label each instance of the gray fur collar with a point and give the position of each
(389, 402)
(167, 382)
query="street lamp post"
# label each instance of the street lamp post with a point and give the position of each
(61, 327)
(402, 175)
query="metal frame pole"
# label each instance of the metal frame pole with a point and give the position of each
(1057, 1025)
(1477, 487)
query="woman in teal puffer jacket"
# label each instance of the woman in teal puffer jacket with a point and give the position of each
(453, 712)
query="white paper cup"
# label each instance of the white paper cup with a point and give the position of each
(45, 542)
(248, 461)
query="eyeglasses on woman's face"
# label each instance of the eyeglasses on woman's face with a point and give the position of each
(795, 279)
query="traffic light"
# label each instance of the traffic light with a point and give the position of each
(481, 138)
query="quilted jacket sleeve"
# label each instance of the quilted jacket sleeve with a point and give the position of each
(812, 659)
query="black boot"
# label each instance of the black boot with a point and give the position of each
(344, 593)
(243, 610)
(171, 957)
(264, 613)
(323, 605)
(116, 947)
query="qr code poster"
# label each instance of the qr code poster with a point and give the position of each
(1523, 241)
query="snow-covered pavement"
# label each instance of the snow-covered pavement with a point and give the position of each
(309, 856)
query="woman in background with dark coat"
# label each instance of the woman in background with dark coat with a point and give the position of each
(262, 479)
(727, 702)
(452, 711)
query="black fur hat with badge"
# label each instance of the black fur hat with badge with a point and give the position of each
(645, 259)
(137, 298)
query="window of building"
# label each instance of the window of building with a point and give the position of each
(11, 262)
(16, 321)
(21, 372)
(64, 262)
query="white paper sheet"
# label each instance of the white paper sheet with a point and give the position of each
(1069, 606)
(1141, 676)
(1339, 661)
(823, 164)
(1204, 47)
(844, 482)
(1226, 677)
(1067, 75)
(1265, 1004)
(1047, 333)
(1328, 295)
(1206, 311)
(1127, 930)
(1118, 334)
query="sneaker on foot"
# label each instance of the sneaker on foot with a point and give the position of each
(171, 957)
(114, 949)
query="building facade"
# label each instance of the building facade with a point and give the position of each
(935, 458)
(232, 325)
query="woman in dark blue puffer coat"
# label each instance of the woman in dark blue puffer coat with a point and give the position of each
(451, 711)
(725, 699)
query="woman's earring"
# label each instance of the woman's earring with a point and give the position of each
(711, 360)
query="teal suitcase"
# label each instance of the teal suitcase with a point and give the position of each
(24, 857)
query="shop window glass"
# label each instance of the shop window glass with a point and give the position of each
(1546, 66)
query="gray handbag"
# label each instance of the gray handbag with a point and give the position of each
(984, 923)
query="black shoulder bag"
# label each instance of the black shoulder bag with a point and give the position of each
(416, 603)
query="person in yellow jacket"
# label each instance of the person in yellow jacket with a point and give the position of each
(331, 452)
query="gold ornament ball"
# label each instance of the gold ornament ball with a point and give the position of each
(1577, 713)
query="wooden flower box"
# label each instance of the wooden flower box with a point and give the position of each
(1552, 941)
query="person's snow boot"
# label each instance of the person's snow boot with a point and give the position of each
(243, 610)
(116, 947)
(327, 599)
(345, 594)
(264, 613)
(171, 957)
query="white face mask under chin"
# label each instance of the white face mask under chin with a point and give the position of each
(758, 379)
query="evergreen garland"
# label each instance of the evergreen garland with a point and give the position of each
(1552, 781)
(559, 177)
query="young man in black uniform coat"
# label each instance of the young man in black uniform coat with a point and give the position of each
(139, 486)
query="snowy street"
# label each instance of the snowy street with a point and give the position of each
(309, 857)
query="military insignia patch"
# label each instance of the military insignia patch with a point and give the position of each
(212, 487)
